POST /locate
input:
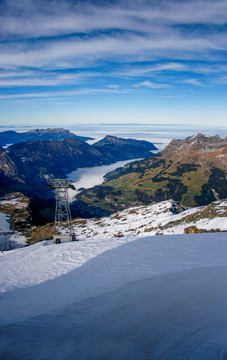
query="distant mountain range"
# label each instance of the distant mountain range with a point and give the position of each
(192, 171)
(13, 137)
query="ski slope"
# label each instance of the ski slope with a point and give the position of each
(160, 297)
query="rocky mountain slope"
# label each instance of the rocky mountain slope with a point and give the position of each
(16, 205)
(26, 167)
(112, 146)
(164, 218)
(13, 137)
(35, 161)
(192, 171)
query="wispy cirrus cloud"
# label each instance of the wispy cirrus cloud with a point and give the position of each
(193, 82)
(151, 85)
(66, 53)
(53, 18)
(43, 78)
(65, 94)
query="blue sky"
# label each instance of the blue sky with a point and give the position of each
(68, 62)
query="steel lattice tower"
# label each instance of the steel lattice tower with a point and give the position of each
(62, 209)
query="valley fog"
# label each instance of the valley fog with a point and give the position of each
(90, 176)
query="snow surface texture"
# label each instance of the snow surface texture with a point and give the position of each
(11, 240)
(160, 297)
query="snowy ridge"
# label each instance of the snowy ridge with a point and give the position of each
(14, 200)
(164, 218)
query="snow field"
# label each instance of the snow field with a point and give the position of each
(159, 298)
(170, 317)
(69, 272)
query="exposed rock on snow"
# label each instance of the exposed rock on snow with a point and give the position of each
(167, 217)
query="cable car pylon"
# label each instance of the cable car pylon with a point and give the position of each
(62, 209)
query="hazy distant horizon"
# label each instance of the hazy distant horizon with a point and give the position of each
(159, 134)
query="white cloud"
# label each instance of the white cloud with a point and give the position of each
(113, 86)
(151, 85)
(47, 36)
(65, 53)
(39, 18)
(30, 78)
(193, 82)
(151, 70)
(66, 94)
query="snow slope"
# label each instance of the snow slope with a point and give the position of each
(4, 224)
(9, 239)
(13, 209)
(159, 297)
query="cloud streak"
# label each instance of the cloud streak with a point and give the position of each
(151, 85)
(54, 18)
(65, 94)
(66, 53)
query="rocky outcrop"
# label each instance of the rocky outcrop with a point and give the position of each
(16, 205)
(194, 146)
(7, 167)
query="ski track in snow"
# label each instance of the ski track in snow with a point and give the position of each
(122, 298)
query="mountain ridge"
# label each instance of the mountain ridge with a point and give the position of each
(13, 137)
(192, 171)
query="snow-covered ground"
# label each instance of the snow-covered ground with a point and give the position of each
(154, 297)
(10, 206)
(12, 240)
(9, 239)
